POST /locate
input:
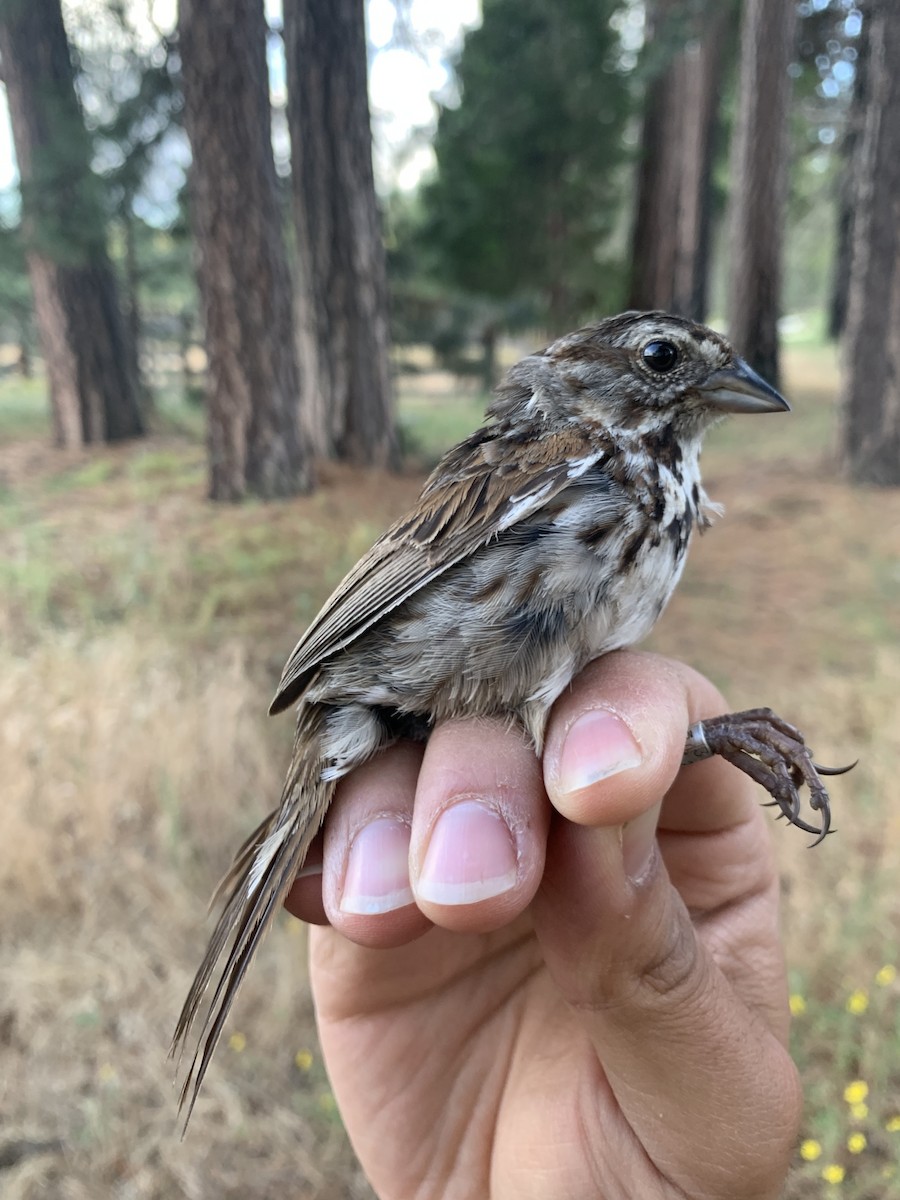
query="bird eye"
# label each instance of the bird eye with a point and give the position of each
(660, 356)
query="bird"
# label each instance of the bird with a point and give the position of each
(554, 534)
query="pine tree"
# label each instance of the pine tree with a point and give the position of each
(870, 436)
(89, 362)
(341, 289)
(759, 181)
(530, 162)
(253, 392)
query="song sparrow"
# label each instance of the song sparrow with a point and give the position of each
(552, 535)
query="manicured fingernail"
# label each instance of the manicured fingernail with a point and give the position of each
(639, 843)
(471, 856)
(377, 879)
(598, 744)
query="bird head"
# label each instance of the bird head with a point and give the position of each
(642, 371)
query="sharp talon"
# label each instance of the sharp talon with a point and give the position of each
(774, 755)
(807, 828)
(835, 770)
(823, 834)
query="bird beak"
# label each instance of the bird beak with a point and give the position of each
(739, 389)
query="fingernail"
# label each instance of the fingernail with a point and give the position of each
(377, 878)
(597, 745)
(639, 844)
(471, 856)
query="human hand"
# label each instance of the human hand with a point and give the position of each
(566, 997)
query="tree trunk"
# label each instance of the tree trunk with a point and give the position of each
(93, 393)
(759, 179)
(489, 335)
(848, 197)
(253, 394)
(701, 68)
(653, 236)
(133, 308)
(870, 435)
(24, 361)
(670, 246)
(343, 330)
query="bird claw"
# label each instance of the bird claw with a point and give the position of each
(774, 755)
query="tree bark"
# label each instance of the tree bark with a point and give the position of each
(870, 434)
(93, 391)
(670, 245)
(24, 362)
(759, 180)
(848, 197)
(256, 443)
(133, 317)
(342, 309)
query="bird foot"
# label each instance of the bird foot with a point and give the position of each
(773, 754)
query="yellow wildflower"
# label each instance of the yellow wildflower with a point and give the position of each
(303, 1059)
(858, 1002)
(798, 1004)
(886, 975)
(833, 1173)
(326, 1102)
(859, 1112)
(237, 1042)
(856, 1143)
(810, 1150)
(856, 1092)
(893, 1125)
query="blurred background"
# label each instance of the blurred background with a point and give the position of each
(259, 266)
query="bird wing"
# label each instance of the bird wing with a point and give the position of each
(472, 496)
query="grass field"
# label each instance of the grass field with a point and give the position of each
(141, 633)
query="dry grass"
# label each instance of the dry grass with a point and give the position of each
(141, 631)
(130, 776)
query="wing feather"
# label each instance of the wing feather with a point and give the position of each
(474, 494)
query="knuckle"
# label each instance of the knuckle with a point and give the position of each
(672, 970)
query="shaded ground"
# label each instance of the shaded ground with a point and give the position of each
(141, 634)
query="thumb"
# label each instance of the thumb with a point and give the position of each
(691, 1065)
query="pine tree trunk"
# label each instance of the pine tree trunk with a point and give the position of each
(848, 196)
(489, 335)
(133, 319)
(93, 392)
(342, 314)
(670, 248)
(253, 393)
(870, 435)
(701, 69)
(759, 178)
(23, 364)
(653, 238)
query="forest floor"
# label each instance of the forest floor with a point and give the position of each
(142, 631)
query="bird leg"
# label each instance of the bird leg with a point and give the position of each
(773, 754)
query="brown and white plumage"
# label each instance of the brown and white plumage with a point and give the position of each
(552, 535)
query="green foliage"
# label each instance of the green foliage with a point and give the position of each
(140, 103)
(460, 326)
(529, 181)
(15, 291)
(64, 199)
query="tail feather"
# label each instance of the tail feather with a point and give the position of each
(232, 888)
(243, 859)
(254, 888)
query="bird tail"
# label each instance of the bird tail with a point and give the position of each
(254, 888)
